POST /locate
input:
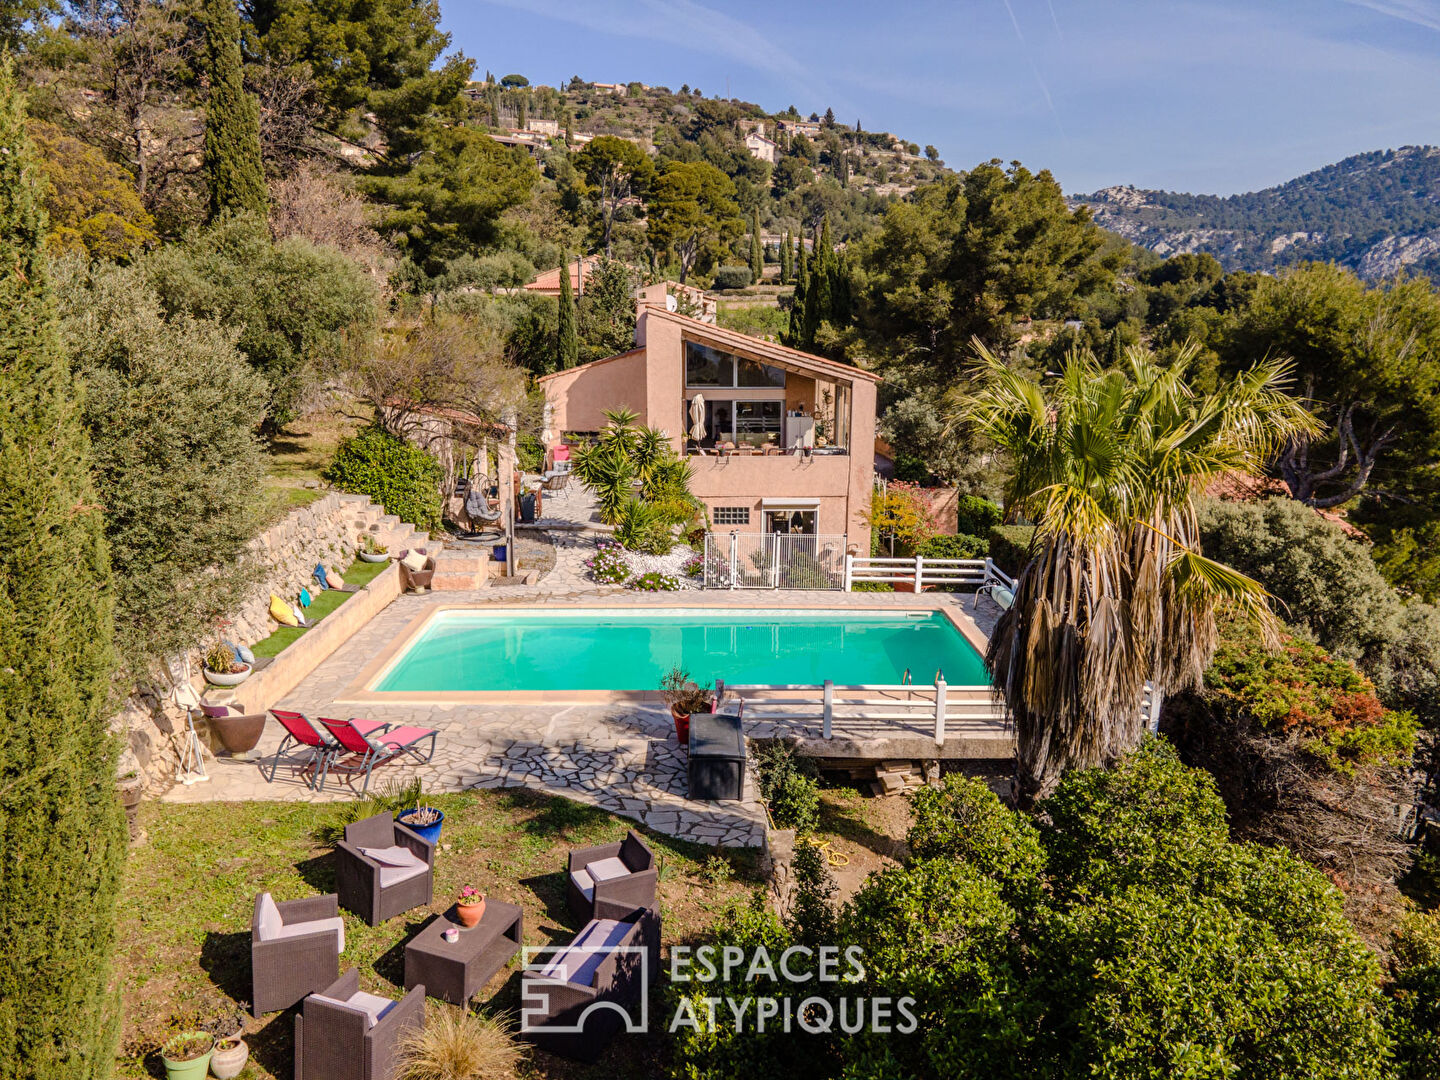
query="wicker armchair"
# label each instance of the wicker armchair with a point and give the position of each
(580, 999)
(342, 1034)
(284, 967)
(414, 580)
(635, 888)
(367, 886)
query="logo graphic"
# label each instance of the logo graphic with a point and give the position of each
(560, 992)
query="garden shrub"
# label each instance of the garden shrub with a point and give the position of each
(1010, 547)
(1130, 941)
(608, 566)
(811, 913)
(401, 477)
(976, 515)
(954, 546)
(962, 819)
(641, 527)
(898, 517)
(529, 453)
(733, 277)
(655, 581)
(695, 566)
(1414, 992)
(789, 787)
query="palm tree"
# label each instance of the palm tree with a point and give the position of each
(1108, 463)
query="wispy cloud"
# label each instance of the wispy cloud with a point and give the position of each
(1415, 12)
(682, 23)
(1025, 48)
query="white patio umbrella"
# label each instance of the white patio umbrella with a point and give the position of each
(697, 417)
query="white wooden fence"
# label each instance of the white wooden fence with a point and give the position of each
(922, 570)
(875, 710)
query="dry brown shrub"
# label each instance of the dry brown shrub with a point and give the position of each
(459, 1045)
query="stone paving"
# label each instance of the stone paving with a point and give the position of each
(623, 758)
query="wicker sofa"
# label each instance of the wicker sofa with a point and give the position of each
(594, 985)
(295, 948)
(377, 887)
(343, 1034)
(622, 875)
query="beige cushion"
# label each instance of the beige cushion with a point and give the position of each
(393, 856)
(270, 923)
(335, 580)
(315, 926)
(414, 561)
(607, 869)
(578, 961)
(372, 1005)
(585, 883)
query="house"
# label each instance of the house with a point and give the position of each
(772, 453)
(760, 147)
(809, 128)
(547, 283)
(548, 128)
(619, 88)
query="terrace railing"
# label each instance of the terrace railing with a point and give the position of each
(922, 571)
(876, 710)
(774, 561)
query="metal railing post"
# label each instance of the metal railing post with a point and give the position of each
(734, 545)
(939, 709)
(849, 571)
(919, 571)
(828, 715)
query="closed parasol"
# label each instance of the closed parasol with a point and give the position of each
(697, 417)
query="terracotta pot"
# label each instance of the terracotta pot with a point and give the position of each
(238, 734)
(229, 1058)
(682, 725)
(470, 914)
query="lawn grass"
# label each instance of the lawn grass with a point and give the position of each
(184, 948)
(299, 455)
(360, 573)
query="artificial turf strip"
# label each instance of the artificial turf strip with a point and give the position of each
(361, 574)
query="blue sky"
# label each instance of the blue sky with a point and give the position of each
(1192, 95)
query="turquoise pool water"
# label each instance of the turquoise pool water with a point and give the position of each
(632, 650)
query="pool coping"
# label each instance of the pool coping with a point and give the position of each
(359, 691)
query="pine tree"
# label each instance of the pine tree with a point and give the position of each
(757, 253)
(233, 167)
(62, 833)
(567, 325)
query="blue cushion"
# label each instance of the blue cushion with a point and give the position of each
(304, 597)
(245, 655)
(319, 576)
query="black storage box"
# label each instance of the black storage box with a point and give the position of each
(717, 757)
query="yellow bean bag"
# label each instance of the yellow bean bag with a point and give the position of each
(282, 612)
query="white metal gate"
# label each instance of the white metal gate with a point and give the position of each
(774, 561)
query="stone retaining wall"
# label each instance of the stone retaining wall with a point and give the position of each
(328, 531)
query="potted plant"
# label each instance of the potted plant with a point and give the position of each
(684, 697)
(372, 550)
(221, 668)
(469, 906)
(187, 1055)
(422, 819)
(231, 1053)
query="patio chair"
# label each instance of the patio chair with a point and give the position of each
(417, 570)
(621, 874)
(383, 869)
(367, 750)
(343, 1033)
(593, 985)
(295, 948)
(321, 747)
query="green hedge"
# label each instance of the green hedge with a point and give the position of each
(974, 515)
(733, 277)
(958, 546)
(1010, 547)
(400, 477)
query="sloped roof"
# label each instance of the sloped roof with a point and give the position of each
(708, 333)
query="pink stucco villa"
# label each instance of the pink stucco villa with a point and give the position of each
(785, 438)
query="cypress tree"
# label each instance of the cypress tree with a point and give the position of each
(818, 295)
(795, 334)
(757, 254)
(233, 166)
(62, 832)
(840, 302)
(787, 264)
(567, 325)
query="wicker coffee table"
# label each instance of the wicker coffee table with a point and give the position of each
(455, 972)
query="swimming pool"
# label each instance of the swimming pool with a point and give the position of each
(460, 651)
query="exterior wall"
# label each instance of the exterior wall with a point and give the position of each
(651, 381)
(581, 395)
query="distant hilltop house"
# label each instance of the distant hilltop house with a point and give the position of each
(760, 147)
(684, 299)
(614, 87)
(533, 141)
(543, 127)
(808, 128)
